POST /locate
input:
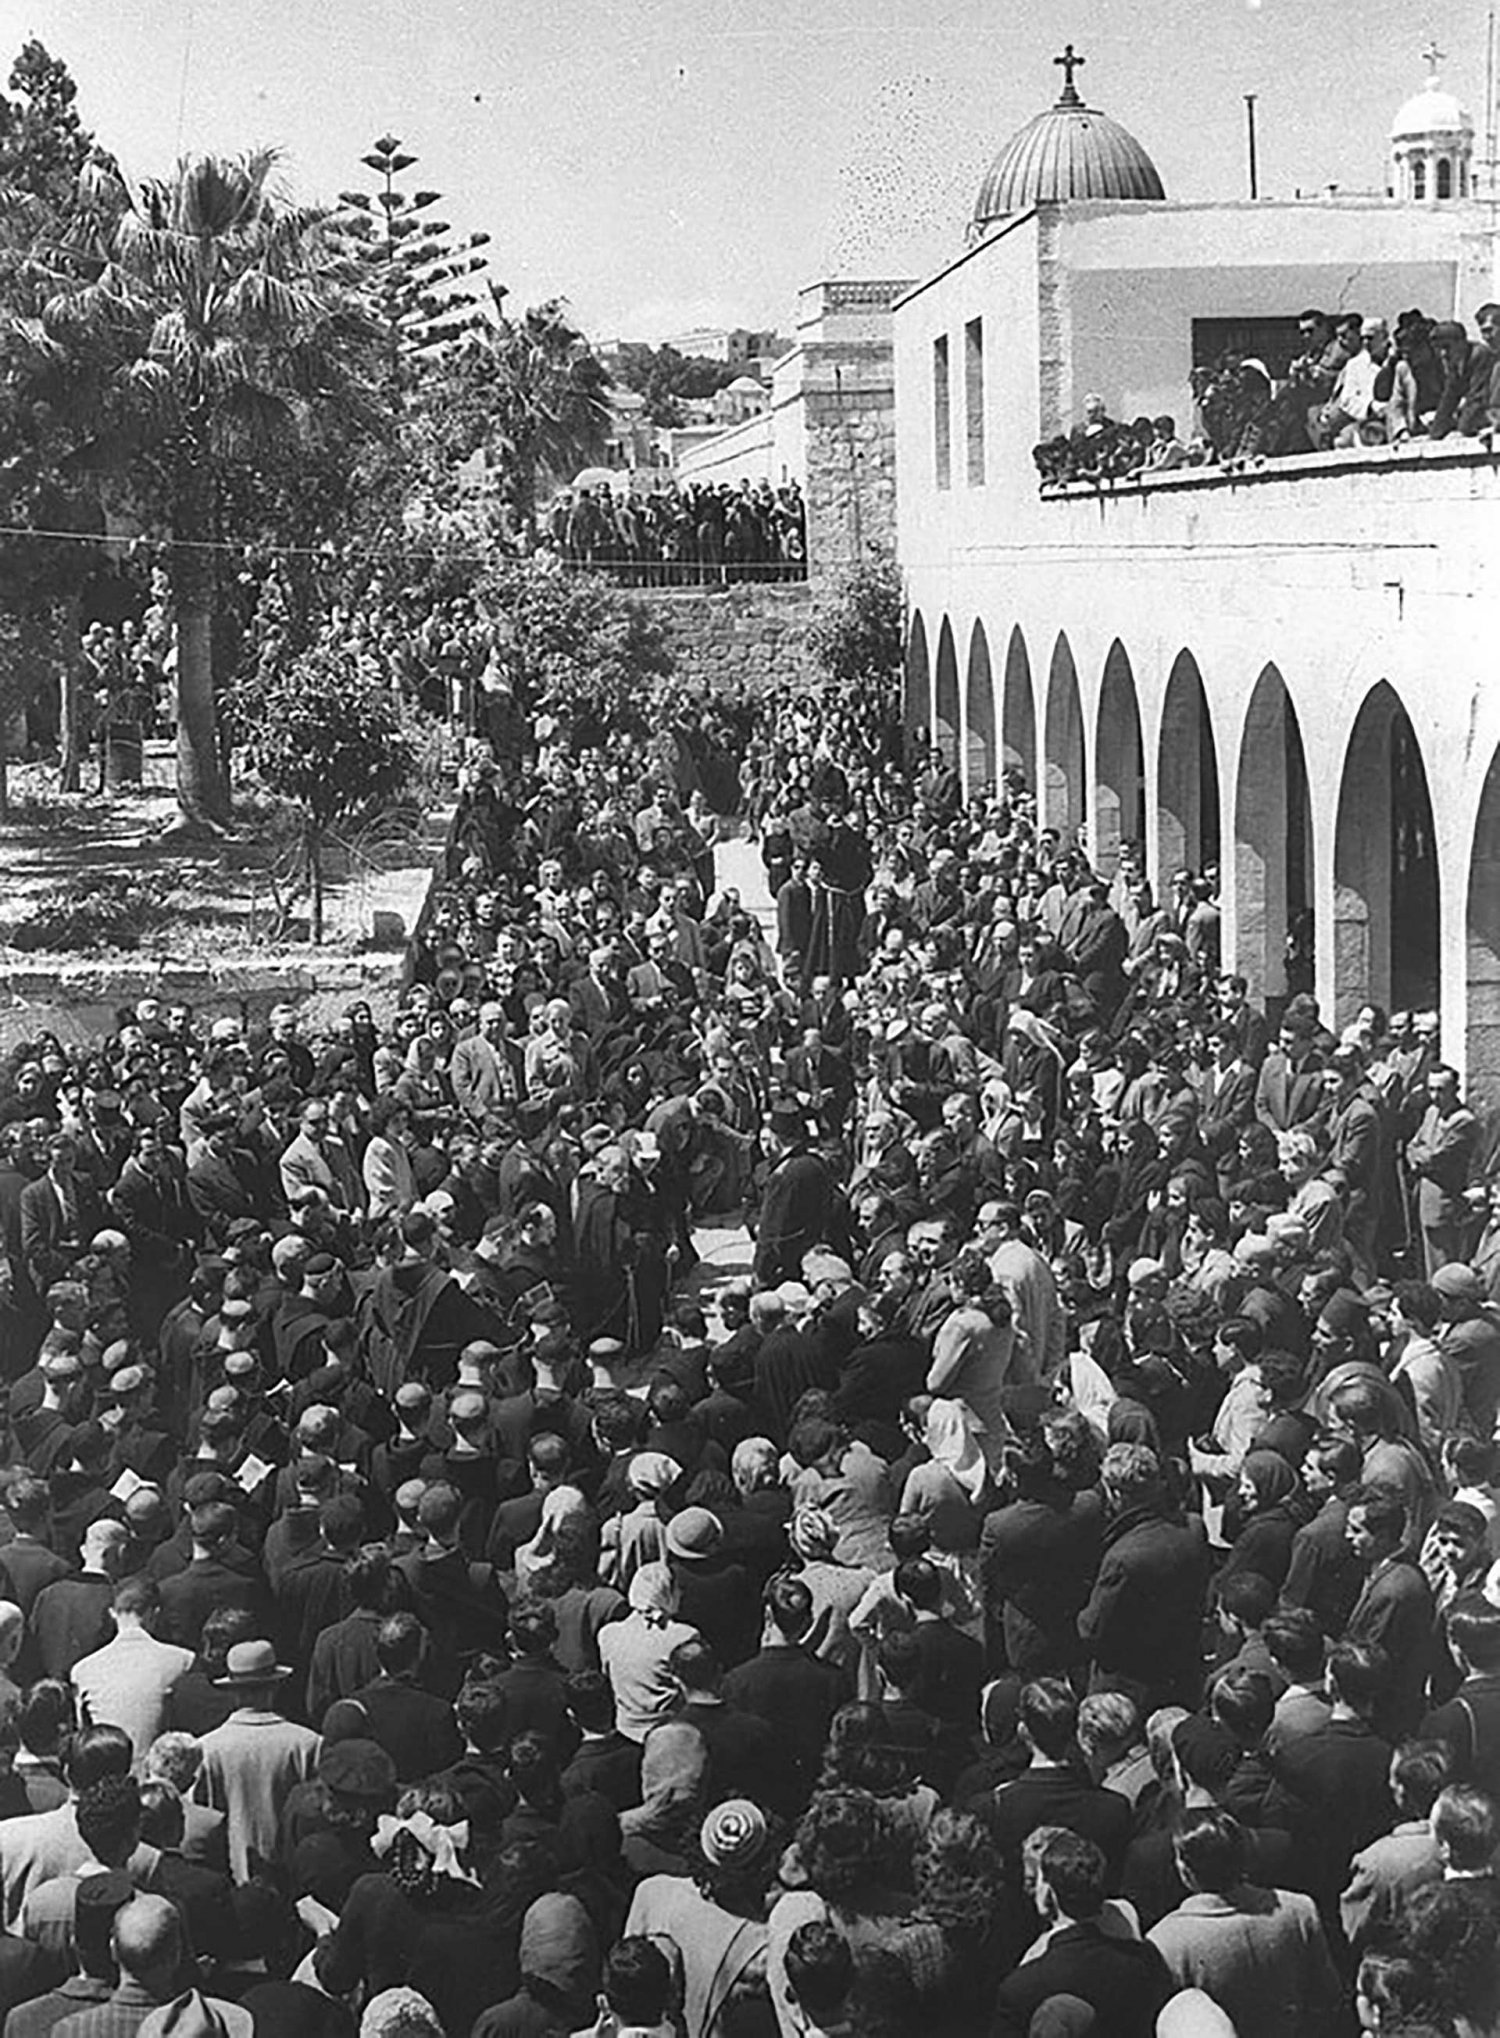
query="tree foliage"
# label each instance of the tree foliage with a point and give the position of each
(420, 276)
(665, 377)
(574, 639)
(323, 732)
(530, 393)
(858, 632)
(198, 322)
(46, 561)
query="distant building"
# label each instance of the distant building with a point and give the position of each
(735, 346)
(828, 425)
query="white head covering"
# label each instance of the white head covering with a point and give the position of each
(951, 1429)
(653, 1592)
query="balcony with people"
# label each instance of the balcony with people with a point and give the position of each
(1412, 387)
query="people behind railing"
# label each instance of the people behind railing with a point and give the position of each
(1357, 382)
(703, 534)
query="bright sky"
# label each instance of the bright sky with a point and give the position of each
(667, 163)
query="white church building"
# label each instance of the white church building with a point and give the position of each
(1290, 671)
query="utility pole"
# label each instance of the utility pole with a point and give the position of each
(1250, 99)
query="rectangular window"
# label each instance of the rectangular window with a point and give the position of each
(942, 415)
(974, 399)
(1274, 341)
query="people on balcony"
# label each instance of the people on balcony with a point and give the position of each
(1355, 383)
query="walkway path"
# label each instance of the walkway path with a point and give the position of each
(726, 1250)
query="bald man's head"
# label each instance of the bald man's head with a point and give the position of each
(147, 1939)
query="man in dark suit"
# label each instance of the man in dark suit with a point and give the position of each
(1124, 1981)
(1469, 1724)
(218, 1186)
(1332, 1784)
(1055, 1789)
(1290, 1090)
(1143, 1620)
(951, 1662)
(28, 1562)
(1394, 1611)
(1038, 1557)
(415, 1728)
(741, 1745)
(606, 1764)
(794, 915)
(1252, 1034)
(59, 1215)
(207, 1581)
(794, 1693)
(1227, 1098)
(1098, 950)
(149, 1201)
(798, 1200)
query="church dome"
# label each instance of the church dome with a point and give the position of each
(1071, 151)
(1431, 111)
(1432, 144)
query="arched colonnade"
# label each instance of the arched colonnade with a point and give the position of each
(1328, 882)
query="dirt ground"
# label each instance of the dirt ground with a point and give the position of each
(104, 862)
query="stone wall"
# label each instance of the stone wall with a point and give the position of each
(848, 390)
(723, 637)
(80, 1001)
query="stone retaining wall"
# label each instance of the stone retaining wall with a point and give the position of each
(79, 1001)
(726, 636)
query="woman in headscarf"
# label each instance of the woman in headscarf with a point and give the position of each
(419, 1921)
(715, 1915)
(1268, 1493)
(953, 1491)
(658, 1834)
(562, 1503)
(637, 1536)
(977, 1352)
(1136, 1172)
(836, 1588)
(633, 1652)
(559, 1962)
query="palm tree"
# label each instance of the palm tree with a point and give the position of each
(230, 326)
(539, 391)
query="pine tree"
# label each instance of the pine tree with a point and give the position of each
(419, 273)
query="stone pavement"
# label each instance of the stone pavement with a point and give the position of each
(725, 1251)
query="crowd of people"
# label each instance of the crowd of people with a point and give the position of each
(698, 534)
(1357, 382)
(1049, 1589)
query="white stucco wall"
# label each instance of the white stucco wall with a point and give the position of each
(1341, 572)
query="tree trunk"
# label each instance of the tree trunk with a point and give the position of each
(202, 784)
(315, 886)
(70, 717)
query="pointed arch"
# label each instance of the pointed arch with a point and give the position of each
(1063, 762)
(1187, 775)
(1119, 762)
(918, 696)
(1482, 940)
(1018, 712)
(945, 722)
(1272, 844)
(1386, 895)
(980, 757)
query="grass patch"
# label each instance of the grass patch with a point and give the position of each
(99, 910)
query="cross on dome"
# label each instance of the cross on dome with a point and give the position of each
(1432, 56)
(1068, 63)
